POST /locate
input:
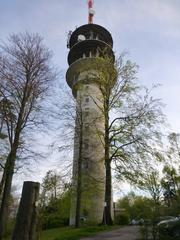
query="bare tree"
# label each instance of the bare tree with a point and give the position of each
(72, 117)
(25, 76)
(4, 146)
(53, 186)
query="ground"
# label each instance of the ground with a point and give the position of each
(123, 233)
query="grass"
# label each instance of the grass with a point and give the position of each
(70, 233)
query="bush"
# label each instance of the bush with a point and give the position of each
(56, 213)
(145, 232)
(54, 221)
(9, 228)
(122, 219)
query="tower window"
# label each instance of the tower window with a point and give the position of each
(91, 34)
(86, 144)
(75, 78)
(86, 160)
(86, 127)
(87, 99)
(86, 87)
(86, 114)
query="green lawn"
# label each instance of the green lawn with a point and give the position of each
(69, 233)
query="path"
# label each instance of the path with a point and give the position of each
(123, 233)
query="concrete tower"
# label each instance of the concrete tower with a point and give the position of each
(87, 45)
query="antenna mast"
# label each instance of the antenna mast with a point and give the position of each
(91, 11)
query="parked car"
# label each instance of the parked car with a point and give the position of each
(170, 227)
(137, 221)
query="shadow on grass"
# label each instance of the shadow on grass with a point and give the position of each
(70, 233)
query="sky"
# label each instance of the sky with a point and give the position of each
(148, 30)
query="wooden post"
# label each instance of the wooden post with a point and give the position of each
(27, 222)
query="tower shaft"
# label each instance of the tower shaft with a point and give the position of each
(89, 124)
(88, 45)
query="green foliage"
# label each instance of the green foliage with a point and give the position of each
(145, 232)
(9, 228)
(151, 183)
(57, 212)
(136, 207)
(122, 219)
(170, 181)
(52, 186)
(55, 201)
(54, 220)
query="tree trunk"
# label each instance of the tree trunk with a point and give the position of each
(108, 186)
(2, 182)
(108, 195)
(9, 168)
(79, 182)
(6, 193)
(27, 217)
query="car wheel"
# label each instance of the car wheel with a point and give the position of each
(176, 232)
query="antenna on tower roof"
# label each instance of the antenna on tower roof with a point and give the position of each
(91, 11)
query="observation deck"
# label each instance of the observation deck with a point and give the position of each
(90, 40)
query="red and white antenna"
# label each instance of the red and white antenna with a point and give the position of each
(91, 11)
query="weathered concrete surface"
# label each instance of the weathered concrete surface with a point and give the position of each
(123, 233)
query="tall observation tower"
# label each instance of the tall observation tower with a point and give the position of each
(87, 44)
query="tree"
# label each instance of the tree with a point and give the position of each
(77, 175)
(130, 117)
(25, 76)
(4, 146)
(56, 213)
(151, 183)
(52, 187)
(55, 200)
(131, 120)
(72, 116)
(169, 184)
(136, 206)
(69, 115)
(171, 174)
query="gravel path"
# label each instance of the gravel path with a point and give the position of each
(123, 233)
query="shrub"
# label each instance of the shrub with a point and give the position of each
(54, 221)
(122, 219)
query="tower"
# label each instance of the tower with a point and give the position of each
(88, 44)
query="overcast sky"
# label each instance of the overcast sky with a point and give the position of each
(148, 29)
